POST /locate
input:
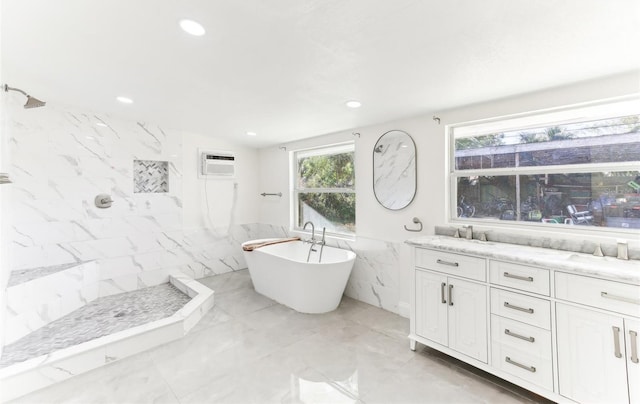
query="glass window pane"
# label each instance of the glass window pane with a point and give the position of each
(598, 141)
(326, 171)
(606, 199)
(335, 211)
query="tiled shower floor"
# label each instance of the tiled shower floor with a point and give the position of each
(101, 317)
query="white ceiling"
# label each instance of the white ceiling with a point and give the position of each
(284, 68)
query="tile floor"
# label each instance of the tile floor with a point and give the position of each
(249, 349)
(103, 316)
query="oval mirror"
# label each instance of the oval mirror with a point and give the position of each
(394, 170)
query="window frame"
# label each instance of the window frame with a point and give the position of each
(609, 108)
(337, 148)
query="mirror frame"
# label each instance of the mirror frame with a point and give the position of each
(415, 170)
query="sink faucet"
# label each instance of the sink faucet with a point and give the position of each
(469, 232)
(623, 250)
(313, 231)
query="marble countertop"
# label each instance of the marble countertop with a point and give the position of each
(566, 261)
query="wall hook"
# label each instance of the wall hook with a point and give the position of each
(435, 118)
(355, 134)
(416, 221)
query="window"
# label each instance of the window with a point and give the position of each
(571, 167)
(324, 188)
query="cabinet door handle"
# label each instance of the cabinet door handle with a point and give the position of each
(633, 341)
(442, 299)
(621, 298)
(520, 365)
(510, 306)
(450, 295)
(518, 277)
(616, 342)
(513, 334)
(451, 264)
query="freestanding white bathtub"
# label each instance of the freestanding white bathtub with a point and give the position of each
(281, 272)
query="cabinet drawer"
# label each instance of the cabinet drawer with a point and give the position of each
(454, 264)
(524, 337)
(530, 279)
(520, 307)
(609, 295)
(522, 364)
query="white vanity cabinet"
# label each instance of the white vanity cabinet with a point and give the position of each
(566, 332)
(598, 349)
(449, 310)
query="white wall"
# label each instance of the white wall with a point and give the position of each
(377, 223)
(231, 201)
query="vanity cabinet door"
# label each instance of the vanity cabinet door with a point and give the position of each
(591, 355)
(632, 336)
(431, 306)
(468, 318)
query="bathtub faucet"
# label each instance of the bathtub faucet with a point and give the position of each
(313, 232)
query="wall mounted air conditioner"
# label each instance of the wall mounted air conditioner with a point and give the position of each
(217, 164)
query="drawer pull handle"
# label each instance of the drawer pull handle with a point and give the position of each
(518, 277)
(450, 295)
(442, 286)
(451, 264)
(620, 298)
(616, 342)
(633, 337)
(520, 365)
(510, 306)
(513, 334)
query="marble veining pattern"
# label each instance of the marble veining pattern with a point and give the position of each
(39, 301)
(575, 244)
(394, 170)
(25, 275)
(586, 264)
(150, 176)
(101, 317)
(59, 161)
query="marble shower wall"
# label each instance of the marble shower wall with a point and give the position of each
(61, 158)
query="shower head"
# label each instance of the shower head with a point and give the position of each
(32, 102)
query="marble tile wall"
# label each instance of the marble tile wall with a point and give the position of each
(37, 302)
(60, 159)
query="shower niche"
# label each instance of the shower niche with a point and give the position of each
(150, 176)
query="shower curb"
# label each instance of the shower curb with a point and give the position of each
(36, 373)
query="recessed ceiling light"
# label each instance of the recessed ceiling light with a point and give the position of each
(102, 124)
(192, 27)
(124, 100)
(353, 104)
(252, 134)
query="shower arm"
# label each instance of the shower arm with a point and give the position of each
(7, 88)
